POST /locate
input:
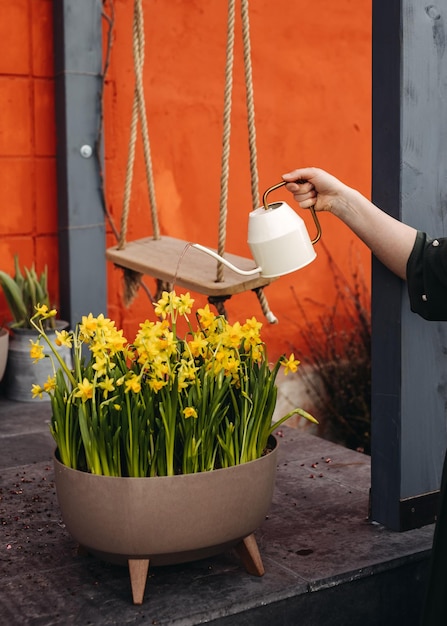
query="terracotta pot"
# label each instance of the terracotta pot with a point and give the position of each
(4, 341)
(21, 372)
(166, 520)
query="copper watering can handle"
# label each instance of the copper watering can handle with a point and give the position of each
(312, 208)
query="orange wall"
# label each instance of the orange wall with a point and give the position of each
(28, 220)
(311, 72)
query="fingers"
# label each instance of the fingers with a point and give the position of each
(304, 173)
(303, 192)
(312, 186)
(306, 204)
(298, 184)
(299, 187)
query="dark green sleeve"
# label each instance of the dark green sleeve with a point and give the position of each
(427, 277)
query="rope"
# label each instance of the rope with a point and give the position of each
(139, 45)
(252, 139)
(132, 283)
(271, 318)
(250, 105)
(133, 280)
(129, 175)
(138, 112)
(225, 165)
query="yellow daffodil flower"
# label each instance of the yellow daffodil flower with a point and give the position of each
(206, 317)
(100, 366)
(37, 391)
(185, 304)
(231, 365)
(44, 312)
(164, 305)
(41, 309)
(104, 322)
(190, 412)
(50, 384)
(36, 351)
(64, 338)
(107, 385)
(198, 345)
(117, 342)
(258, 353)
(85, 390)
(233, 335)
(156, 384)
(186, 373)
(252, 326)
(290, 364)
(133, 384)
(87, 327)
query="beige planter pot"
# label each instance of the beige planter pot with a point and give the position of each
(170, 519)
(4, 342)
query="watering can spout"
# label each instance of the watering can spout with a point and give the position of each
(278, 240)
(256, 270)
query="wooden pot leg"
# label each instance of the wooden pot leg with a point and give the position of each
(250, 556)
(138, 569)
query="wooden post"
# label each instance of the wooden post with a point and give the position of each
(78, 58)
(410, 182)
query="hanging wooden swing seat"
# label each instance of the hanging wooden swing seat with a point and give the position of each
(174, 261)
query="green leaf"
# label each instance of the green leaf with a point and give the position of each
(13, 297)
(24, 292)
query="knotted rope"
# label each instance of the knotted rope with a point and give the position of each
(226, 136)
(132, 280)
(138, 112)
(223, 209)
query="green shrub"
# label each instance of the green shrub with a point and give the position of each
(337, 365)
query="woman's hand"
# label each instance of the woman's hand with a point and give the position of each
(390, 240)
(311, 186)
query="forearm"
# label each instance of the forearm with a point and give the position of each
(389, 240)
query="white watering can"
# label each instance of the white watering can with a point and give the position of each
(278, 239)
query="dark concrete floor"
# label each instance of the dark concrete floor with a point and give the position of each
(326, 564)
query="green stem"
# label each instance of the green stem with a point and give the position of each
(54, 351)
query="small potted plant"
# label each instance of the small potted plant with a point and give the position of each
(164, 445)
(23, 292)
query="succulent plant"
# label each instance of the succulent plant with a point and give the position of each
(23, 292)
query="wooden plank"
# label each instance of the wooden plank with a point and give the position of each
(175, 261)
(409, 378)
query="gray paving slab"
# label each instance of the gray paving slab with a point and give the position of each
(325, 562)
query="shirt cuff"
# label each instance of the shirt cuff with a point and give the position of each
(427, 277)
